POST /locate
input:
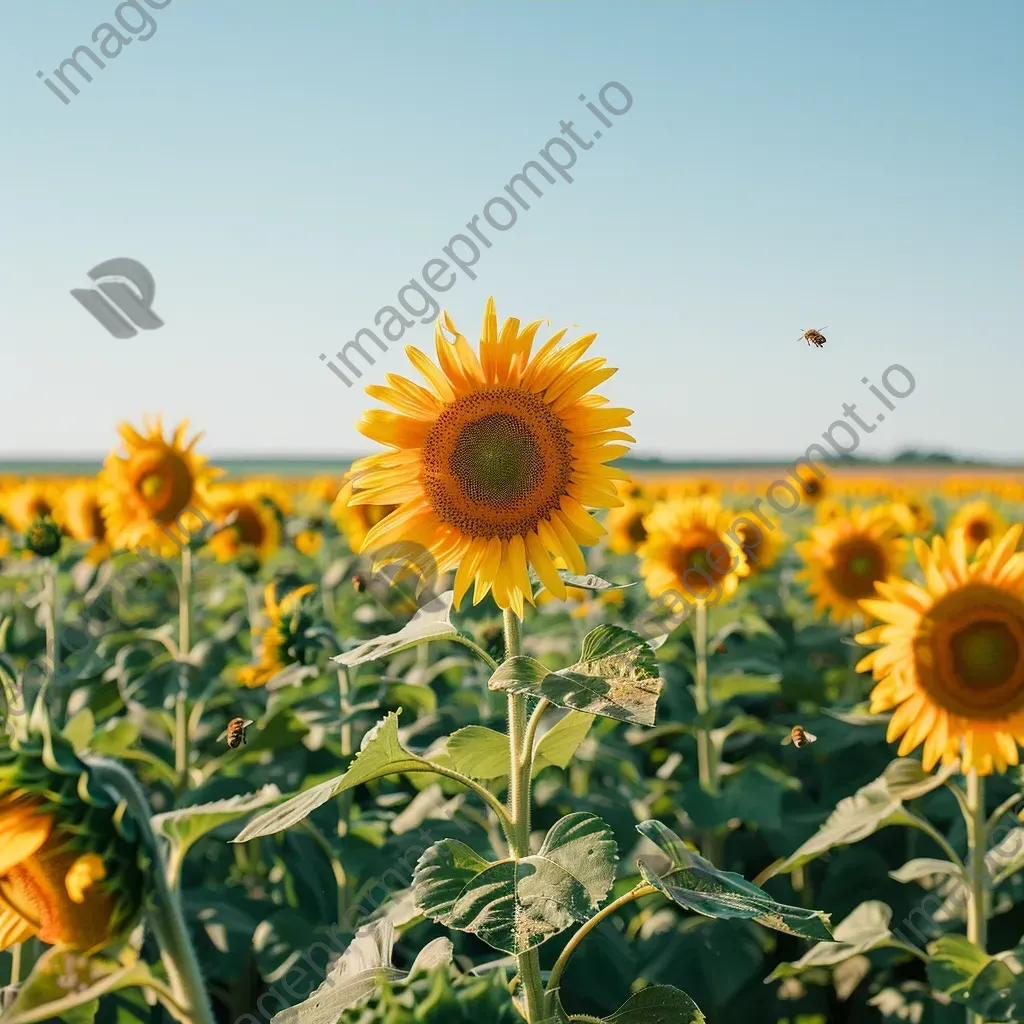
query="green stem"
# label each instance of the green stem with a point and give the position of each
(519, 806)
(52, 650)
(560, 964)
(340, 878)
(164, 907)
(478, 651)
(707, 756)
(181, 709)
(15, 975)
(345, 800)
(977, 872)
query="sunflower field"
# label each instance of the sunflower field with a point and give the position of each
(489, 728)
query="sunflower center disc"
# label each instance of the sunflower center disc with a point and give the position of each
(985, 655)
(497, 459)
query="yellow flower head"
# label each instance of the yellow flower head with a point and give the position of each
(846, 558)
(281, 642)
(626, 531)
(356, 521)
(952, 656)
(761, 545)
(145, 491)
(255, 529)
(979, 522)
(32, 500)
(689, 550)
(494, 463)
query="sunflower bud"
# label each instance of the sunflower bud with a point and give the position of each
(71, 859)
(43, 537)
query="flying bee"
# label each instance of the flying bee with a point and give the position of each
(359, 583)
(236, 732)
(799, 737)
(814, 337)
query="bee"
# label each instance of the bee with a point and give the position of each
(236, 732)
(359, 583)
(799, 737)
(814, 337)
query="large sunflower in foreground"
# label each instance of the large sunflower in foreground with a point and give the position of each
(494, 463)
(689, 550)
(146, 490)
(845, 558)
(952, 660)
(979, 522)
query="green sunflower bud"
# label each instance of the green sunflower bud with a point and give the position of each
(72, 862)
(43, 537)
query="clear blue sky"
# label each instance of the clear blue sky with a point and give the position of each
(284, 167)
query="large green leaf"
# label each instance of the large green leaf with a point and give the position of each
(976, 980)
(925, 867)
(877, 805)
(67, 985)
(515, 905)
(559, 744)
(616, 676)
(866, 928)
(431, 622)
(479, 752)
(658, 1004)
(696, 884)
(381, 754)
(364, 966)
(182, 827)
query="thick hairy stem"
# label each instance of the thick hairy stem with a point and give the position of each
(181, 709)
(977, 871)
(519, 800)
(165, 913)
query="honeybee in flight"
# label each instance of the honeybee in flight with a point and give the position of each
(359, 583)
(799, 737)
(814, 337)
(236, 732)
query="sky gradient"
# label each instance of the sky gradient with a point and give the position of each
(284, 168)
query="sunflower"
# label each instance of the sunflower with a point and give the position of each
(845, 558)
(308, 542)
(80, 513)
(144, 492)
(952, 660)
(70, 860)
(32, 500)
(813, 488)
(828, 510)
(689, 550)
(493, 464)
(255, 530)
(323, 489)
(626, 525)
(282, 642)
(356, 521)
(913, 513)
(979, 522)
(760, 545)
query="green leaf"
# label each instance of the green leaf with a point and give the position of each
(68, 985)
(925, 867)
(182, 827)
(381, 754)
(696, 884)
(726, 688)
(515, 905)
(617, 677)
(974, 979)
(362, 969)
(1007, 856)
(79, 731)
(877, 805)
(559, 744)
(431, 622)
(479, 752)
(866, 928)
(658, 1004)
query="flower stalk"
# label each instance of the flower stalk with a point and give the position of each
(181, 709)
(977, 870)
(519, 799)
